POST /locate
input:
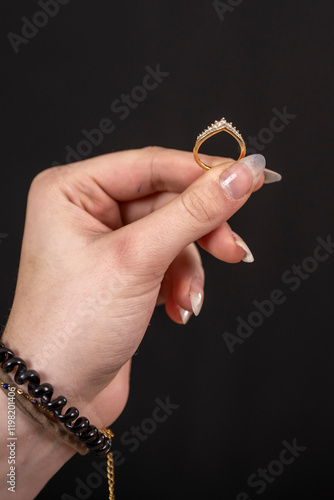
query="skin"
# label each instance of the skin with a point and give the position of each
(105, 241)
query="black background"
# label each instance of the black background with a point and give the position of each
(235, 410)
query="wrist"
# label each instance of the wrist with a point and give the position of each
(101, 406)
(29, 451)
(78, 432)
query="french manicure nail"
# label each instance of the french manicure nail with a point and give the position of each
(270, 176)
(256, 164)
(196, 299)
(185, 315)
(248, 257)
(238, 180)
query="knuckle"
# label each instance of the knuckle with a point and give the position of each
(133, 259)
(201, 207)
(152, 153)
(44, 179)
(126, 249)
(46, 186)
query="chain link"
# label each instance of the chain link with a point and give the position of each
(110, 466)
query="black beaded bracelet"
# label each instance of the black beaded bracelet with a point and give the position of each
(96, 441)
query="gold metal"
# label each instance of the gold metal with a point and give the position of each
(30, 398)
(110, 466)
(213, 129)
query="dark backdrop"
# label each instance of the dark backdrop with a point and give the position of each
(232, 413)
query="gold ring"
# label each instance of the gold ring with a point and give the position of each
(215, 128)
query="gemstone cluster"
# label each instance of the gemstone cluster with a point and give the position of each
(218, 126)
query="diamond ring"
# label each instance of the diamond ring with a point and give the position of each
(215, 128)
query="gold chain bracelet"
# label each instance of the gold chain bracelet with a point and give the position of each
(110, 466)
(27, 396)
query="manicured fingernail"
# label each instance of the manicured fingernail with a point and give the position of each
(185, 315)
(196, 299)
(248, 257)
(270, 176)
(238, 180)
(256, 164)
(196, 294)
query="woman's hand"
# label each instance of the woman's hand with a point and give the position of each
(105, 240)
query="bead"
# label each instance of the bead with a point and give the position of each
(95, 440)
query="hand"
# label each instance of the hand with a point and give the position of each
(105, 240)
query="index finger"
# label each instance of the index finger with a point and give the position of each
(133, 174)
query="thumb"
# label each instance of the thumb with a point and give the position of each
(208, 202)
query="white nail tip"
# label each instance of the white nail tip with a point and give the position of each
(256, 164)
(271, 176)
(248, 257)
(185, 315)
(196, 300)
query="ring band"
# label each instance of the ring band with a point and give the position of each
(215, 128)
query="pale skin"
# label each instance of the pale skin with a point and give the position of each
(105, 241)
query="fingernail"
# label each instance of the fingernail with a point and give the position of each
(248, 257)
(238, 180)
(196, 294)
(196, 299)
(256, 164)
(185, 315)
(270, 176)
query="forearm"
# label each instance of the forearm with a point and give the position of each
(31, 454)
